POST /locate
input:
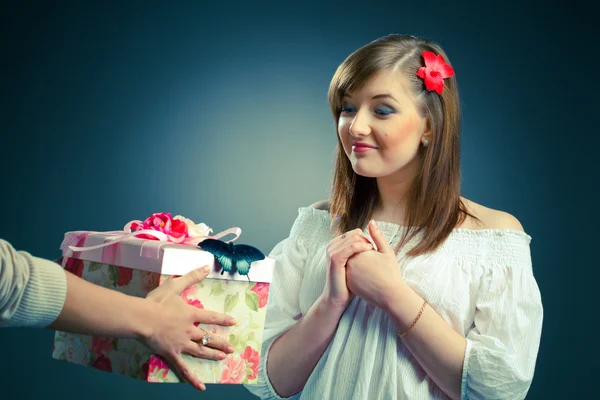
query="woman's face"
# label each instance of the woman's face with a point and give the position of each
(380, 126)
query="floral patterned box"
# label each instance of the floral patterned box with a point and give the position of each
(122, 267)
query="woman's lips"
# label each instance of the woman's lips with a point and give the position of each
(361, 148)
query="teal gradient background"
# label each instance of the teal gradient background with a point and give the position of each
(218, 112)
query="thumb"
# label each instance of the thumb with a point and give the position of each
(380, 241)
(191, 278)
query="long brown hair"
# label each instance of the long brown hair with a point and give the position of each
(434, 206)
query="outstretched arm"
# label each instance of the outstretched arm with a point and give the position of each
(38, 293)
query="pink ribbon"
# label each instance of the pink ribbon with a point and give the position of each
(150, 248)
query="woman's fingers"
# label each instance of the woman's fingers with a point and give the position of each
(212, 317)
(191, 278)
(340, 249)
(355, 235)
(341, 256)
(198, 350)
(183, 371)
(214, 341)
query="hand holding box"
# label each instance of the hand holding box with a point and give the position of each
(123, 261)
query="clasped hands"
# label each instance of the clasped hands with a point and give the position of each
(357, 268)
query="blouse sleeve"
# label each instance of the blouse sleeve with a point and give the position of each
(283, 307)
(502, 345)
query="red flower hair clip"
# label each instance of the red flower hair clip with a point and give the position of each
(434, 71)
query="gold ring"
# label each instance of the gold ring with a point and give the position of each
(205, 340)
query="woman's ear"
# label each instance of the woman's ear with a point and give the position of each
(426, 135)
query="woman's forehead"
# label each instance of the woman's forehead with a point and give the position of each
(389, 82)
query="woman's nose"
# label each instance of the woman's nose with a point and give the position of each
(360, 125)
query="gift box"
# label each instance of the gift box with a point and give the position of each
(135, 262)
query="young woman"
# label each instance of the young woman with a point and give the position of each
(398, 287)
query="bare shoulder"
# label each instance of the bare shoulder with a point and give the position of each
(489, 218)
(321, 205)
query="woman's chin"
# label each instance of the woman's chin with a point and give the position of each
(364, 172)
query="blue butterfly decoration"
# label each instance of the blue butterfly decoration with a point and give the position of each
(232, 257)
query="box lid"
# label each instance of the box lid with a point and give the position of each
(167, 258)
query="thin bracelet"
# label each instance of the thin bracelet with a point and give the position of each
(415, 321)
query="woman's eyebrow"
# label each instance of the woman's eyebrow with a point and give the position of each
(378, 96)
(384, 96)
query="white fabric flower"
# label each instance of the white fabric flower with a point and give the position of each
(195, 229)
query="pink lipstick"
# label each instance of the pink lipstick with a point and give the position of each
(360, 147)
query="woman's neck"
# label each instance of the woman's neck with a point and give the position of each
(392, 200)
(393, 192)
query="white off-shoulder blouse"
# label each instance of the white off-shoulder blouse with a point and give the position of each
(480, 281)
